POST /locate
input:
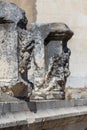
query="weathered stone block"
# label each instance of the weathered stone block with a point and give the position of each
(8, 56)
(14, 54)
(35, 59)
(50, 60)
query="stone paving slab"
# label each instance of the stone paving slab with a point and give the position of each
(30, 118)
(18, 112)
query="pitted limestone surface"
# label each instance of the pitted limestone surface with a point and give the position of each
(34, 63)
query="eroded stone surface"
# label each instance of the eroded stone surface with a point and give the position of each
(15, 50)
(10, 13)
(35, 59)
(50, 60)
(8, 56)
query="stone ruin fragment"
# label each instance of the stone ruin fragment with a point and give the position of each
(15, 51)
(50, 60)
(34, 63)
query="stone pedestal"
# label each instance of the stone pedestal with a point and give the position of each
(50, 60)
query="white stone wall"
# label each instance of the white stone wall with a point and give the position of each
(74, 14)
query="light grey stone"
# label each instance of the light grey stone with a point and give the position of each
(1, 108)
(50, 60)
(10, 13)
(35, 62)
(8, 56)
(55, 112)
(15, 51)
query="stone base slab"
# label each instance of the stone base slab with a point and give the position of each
(42, 114)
